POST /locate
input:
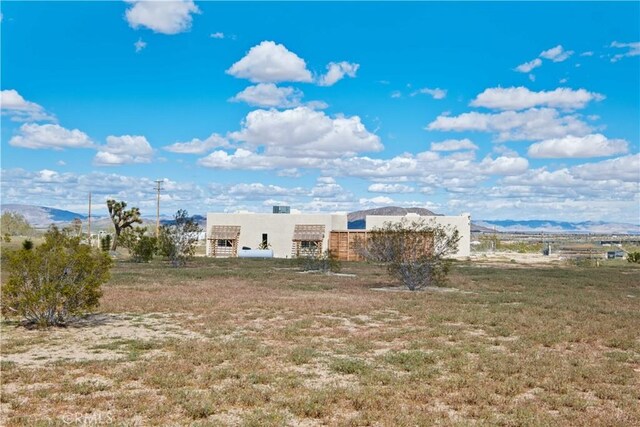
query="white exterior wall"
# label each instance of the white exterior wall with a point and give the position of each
(278, 227)
(461, 222)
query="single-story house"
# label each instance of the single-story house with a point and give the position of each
(292, 235)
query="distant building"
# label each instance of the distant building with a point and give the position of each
(292, 235)
(281, 209)
(288, 235)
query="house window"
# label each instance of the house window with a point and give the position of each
(224, 243)
(307, 244)
(265, 239)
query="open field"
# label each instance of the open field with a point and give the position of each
(255, 343)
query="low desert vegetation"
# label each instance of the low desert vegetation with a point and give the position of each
(177, 241)
(256, 343)
(634, 257)
(415, 252)
(15, 224)
(141, 244)
(326, 262)
(59, 279)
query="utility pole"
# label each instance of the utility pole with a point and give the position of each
(158, 188)
(89, 228)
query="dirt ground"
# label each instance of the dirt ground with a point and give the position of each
(240, 342)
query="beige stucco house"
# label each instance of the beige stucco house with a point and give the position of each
(291, 235)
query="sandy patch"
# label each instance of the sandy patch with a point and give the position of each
(96, 337)
(512, 259)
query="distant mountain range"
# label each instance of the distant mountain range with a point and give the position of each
(549, 226)
(42, 217)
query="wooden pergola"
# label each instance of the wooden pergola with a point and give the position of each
(223, 240)
(307, 240)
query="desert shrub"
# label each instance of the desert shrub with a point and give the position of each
(15, 224)
(144, 249)
(105, 243)
(633, 257)
(328, 262)
(57, 280)
(141, 246)
(415, 252)
(27, 245)
(177, 241)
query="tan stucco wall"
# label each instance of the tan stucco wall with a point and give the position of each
(278, 227)
(461, 222)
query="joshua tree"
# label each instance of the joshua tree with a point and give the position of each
(121, 218)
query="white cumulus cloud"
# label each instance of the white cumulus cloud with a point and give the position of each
(504, 165)
(34, 136)
(454, 145)
(198, 146)
(632, 49)
(21, 110)
(243, 159)
(139, 45)
(304, 132)
(528, 66)
(532, 124)
(269, 95)
(124, 149)
(258, 190)
(556, 54)
(625, 168)
(327, 188)
(519, 98)
(336, 72)
(377, 201)
(270, 62)
(594, 145)
(390, 188)
(436, 93)
(166, 17)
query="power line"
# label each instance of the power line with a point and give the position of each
(158, 188)
(89, 231)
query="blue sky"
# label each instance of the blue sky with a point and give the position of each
(504, 110)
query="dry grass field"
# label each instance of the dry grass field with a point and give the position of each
(257, 343)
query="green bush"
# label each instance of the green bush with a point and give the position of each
(105, 243)
(633, 257)
(414, 252)
(15, 224)
(141, 246)
(144, 249)
(177, 241)
(55, 281)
